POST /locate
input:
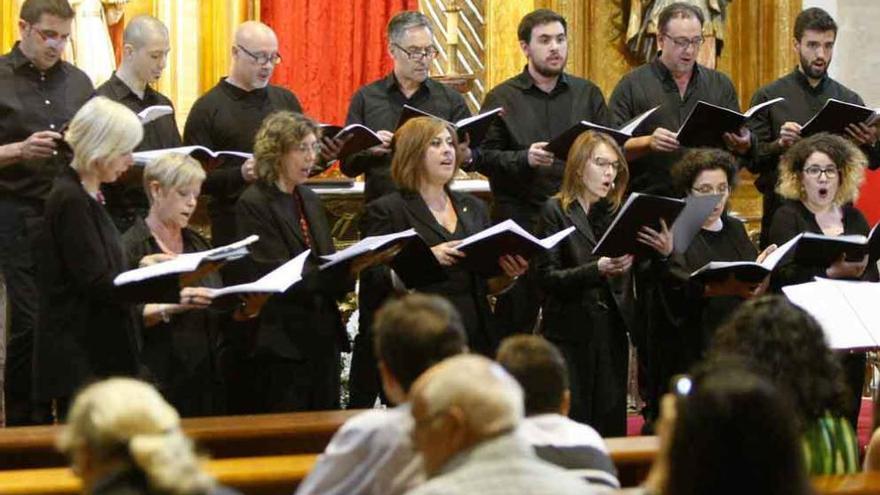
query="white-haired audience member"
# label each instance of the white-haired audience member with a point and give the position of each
(465, 411)
(372, 453)
(123, 438)
(541, 371)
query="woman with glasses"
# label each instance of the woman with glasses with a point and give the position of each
(820, 177)
(291, 358)
(586, 296)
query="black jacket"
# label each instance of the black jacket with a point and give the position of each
(295, 324)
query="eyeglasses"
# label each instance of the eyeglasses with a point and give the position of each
(417, 54)
(684, 43)
(262, 58)
(306, 147)
(51, 36)
(706, 189)
(605, 164)
(815, 172)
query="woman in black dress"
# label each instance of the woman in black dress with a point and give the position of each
(179, 341)
(86, 327)
(291, 358)
(423, 166)
(588, 299)
(820, 177)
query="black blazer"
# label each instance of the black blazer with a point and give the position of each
(295, 324)
(402, 210)
(84, 329)
(569, 275)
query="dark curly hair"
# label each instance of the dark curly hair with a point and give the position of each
(696, 161)
(787, 345)
(849, 159)
(278, 134)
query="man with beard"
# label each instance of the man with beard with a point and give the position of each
(539, 104)
(805, 89)
(39, 94)
(145, 48)
(676, 82)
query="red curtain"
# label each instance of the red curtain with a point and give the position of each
(869, 198)
(330, 48)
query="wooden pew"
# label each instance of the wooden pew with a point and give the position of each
(633, 457)
(221, 437)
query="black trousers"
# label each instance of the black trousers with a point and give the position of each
(20, 222)
(854, 373)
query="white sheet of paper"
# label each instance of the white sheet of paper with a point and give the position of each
(278, 280)
(696, 210)
(154, 112)
(144, 157)
(365, 245)
(829, 306)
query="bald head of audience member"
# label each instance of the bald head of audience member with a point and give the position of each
(410, 335)
(460, 403)
(541, 371)
(144, 51)
(254, 56)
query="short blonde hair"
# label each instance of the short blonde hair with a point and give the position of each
(126, 419)
(409, 145)
(581, 152)
(172, 170)
(102, 130)
(278, 134)
(848, 158)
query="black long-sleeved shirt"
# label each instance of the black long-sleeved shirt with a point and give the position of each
(30, 101)
(532, 115)
(227, 118)
(650, 85)
(125, 198)
(802, 101)
(378, 106)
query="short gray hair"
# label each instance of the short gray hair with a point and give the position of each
(140, 27)
(172, 170)
(102, 130)
(407, 19)
(488, 396)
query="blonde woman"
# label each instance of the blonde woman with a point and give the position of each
(86, 328)
(122, 437)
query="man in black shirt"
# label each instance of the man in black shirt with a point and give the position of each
(805, 89)
(379, 104)
(227, 118)
(39, 94)
(144, 53)
(676, 82)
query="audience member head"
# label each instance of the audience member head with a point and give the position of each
(122, 423)
(173, 184)
(680, 36)
(459, 403)
(727, 430)
(822, 171)
(785, 344)
(424, 153)
(285, 149)
(254, 56)
(814, 35)
(541, 371)
(145, 47)
(704, 172)
(45, 27)
(411, 45)
(103, 135)
(595, 170)
(543, 38)
(410, 335)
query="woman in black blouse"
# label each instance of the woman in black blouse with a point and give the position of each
(820, 177)
(423, 166)
(86, 327)
(179, 341)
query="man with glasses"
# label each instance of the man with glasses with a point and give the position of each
(145, 48)
(378, 105)
(676, 82)
(39, 94)
(805, 89)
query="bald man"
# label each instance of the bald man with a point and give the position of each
(145, 47)
(465, 411)
(228, 116)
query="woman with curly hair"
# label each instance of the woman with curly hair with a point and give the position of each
(292, 352)
(785, 344)
(820, 177)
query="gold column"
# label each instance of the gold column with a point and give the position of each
(504, 58)
(219, 19)
(9, 10)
